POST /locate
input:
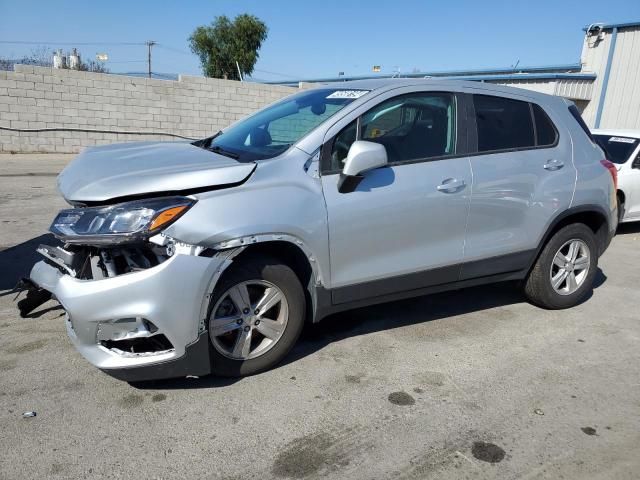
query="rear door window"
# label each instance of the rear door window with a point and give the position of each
(503, 124)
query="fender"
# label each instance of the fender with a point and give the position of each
(275, 237)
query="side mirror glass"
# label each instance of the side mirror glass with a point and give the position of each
(362, 157)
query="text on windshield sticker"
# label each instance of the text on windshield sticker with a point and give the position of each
(348, 93)
(622, 140)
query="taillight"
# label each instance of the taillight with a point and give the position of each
(612, 170)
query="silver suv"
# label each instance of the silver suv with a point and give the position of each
(185, 258)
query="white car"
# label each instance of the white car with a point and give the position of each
(623, 148)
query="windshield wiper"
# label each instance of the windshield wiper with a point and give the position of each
(218, 149)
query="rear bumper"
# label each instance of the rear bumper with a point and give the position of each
(172, 296)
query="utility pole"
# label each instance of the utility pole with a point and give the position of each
(150, 43)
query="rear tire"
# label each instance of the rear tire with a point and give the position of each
(563, 274)
(261, 277)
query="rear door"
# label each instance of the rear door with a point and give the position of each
(523, 176)
(403, 227)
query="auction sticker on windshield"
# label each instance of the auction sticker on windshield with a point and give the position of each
(622, 140)
(348, 93)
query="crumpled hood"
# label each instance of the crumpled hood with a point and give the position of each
(121, 170)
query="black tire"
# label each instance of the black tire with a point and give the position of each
(620, 208)
(538, 288)
(260, 267)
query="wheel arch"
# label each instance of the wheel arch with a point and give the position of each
(592, 216)
(293, 253)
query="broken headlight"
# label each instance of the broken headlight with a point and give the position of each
(119, 223)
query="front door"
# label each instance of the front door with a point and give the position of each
(403, 227)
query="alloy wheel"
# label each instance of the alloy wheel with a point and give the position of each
(248, 319)
(570, 267)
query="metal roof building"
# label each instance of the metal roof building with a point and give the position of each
(604, 85)
(612, 51)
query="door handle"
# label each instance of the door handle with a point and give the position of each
(553, 164)
(451, 185)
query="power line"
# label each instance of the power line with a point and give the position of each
(172, 49)
(110, 62)
(167, 76)
(29, 42)
(275, 73)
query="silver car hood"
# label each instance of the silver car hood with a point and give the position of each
(125, 169)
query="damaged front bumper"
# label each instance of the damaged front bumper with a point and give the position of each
(141, 325)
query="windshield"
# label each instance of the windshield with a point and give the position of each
(618, 149)
(271, 131)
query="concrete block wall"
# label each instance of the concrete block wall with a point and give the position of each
(45, 98)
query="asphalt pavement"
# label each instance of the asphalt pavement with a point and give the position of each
(474, 383)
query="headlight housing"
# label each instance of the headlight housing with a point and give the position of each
(121, 223)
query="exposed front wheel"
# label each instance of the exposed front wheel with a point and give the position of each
(255, 316)
(563, 274)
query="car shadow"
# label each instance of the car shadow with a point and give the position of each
(377, 318)
(16, 261)
(628, 228)
(39, 313)
(423, 309)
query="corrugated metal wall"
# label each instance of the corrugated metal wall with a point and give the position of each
(575, 89)
(594, 60)
(572, 89)
(541, 86)
(622, 101)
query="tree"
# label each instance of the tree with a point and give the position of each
(93, 66)
(40, 56)
(223, 43)
(43, 57)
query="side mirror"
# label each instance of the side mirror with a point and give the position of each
(362, 157)
(636, 162)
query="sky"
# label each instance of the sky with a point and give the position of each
(314, 39)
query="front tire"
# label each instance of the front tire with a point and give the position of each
(621, 207)
(563, 275)
(256, 315)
